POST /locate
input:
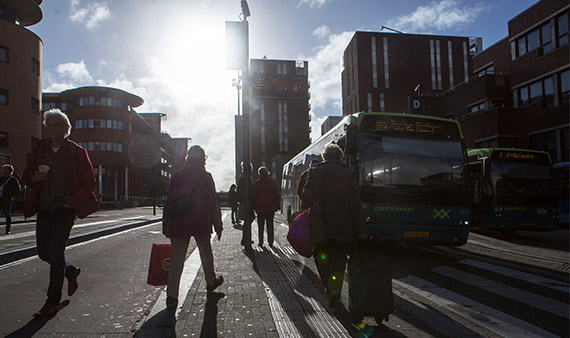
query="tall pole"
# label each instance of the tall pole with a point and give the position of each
(246, 150)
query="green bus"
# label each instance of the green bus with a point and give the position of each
(513, 189)
(412, 173)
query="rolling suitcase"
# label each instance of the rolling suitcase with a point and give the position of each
(370, 286)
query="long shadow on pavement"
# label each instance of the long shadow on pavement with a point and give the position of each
(34, 325)
(210, 324)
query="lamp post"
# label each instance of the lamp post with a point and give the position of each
(246, 237)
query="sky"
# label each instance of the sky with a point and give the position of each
(172, 52)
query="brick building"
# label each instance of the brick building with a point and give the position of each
(131, 157)
(279, 113)
(20, 81)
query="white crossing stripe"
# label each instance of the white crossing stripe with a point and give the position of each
(489, 318)
(527, 277)
(537, 301)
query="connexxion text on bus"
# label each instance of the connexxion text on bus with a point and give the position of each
(411, 172)
(513, 189)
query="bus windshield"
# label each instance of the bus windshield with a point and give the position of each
(392, 161)
(523, 183)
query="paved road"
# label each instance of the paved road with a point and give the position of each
(490, 287)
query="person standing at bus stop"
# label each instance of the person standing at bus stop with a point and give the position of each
(265, 196)
(60, 175)
(9, 187)
(335, 215)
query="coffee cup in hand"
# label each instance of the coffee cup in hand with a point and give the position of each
(43, 168)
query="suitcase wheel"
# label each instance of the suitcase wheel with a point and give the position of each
(381, 317)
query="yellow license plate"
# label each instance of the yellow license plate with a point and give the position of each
(528, 224)
(416, 234)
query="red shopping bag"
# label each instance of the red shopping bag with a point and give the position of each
(299, 235)
(159, 264)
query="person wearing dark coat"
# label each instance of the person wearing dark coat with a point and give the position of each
(9, 187)
(265, 197)
(335, 214)
(247, 215)
(61, 181)
(197, 221)
(233, 200)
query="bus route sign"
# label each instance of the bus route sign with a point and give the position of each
(408, 125)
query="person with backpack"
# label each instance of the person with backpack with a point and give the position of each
(61, 181)
(9, 187)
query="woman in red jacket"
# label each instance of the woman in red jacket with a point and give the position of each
(265, 196)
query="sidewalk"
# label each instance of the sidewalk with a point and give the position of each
(268, 293)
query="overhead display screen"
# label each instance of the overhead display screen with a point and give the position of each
(408, 125)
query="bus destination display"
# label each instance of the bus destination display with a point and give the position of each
(511, 155)
(408, 125)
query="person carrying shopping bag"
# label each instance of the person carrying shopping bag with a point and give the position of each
(190, 210)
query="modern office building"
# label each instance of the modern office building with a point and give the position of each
(381, 70)
(519, 93)
(20, 81)
(131, 157)
(279, 113)
(515, 93)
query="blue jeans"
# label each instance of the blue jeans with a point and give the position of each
(52, 232)
(7, 207)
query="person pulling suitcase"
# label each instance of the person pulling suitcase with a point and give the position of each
(332, 196)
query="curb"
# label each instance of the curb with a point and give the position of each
(12, 256)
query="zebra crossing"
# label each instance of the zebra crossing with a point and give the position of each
(487, 298)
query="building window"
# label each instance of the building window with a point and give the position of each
(438, 63)
(262, 123)
(432, 61)
(542, 90)
(4, 140)
(555, 142)
(537, 38)
(63, 106)
(279, 71)
(382, 107)
(35, 66)
(261, 67)
(465, 63)
(369, 102)
(3, 54)
(35, 106)
(283, 128)
(374, 66)
(450, 61)
(386, 65)
(562, 29)
(565, 87)
(3, 97)
(545, 38)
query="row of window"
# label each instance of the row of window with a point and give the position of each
(34, 103)
(541, 37)
(100, 101)
(543, 90)
(99, 123)
(5, 57)
(102, 146)
(52, 105)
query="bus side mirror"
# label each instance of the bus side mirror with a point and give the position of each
(351, 139)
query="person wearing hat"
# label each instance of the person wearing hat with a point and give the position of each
(196, 221)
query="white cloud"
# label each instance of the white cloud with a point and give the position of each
(442, 15)
(74, 72)
(325, 67)
(312, 3)
(91, 15)
(322, 32)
